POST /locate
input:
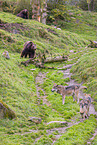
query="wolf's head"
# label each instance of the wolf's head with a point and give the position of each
(83, 108)
(55, 88)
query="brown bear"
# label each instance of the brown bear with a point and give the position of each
(23, 14)
(29, 49)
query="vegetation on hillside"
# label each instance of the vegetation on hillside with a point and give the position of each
(27, 90)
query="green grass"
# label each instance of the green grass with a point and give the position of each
(18, 86)
(77, 134)
(80, 22)
(87, 68)
(94, 142)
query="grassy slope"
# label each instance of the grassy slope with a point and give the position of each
(17, 83)
(80, 22)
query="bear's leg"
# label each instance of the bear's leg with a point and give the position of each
(25, 55)
(22, 53)
(29, 55)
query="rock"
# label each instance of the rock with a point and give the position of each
(2, 109)
(6, 54)
(71, 50)
(5, 111)
(35, 120)
(93, 44)
(88, 143)
(33, 69)
(71, 14)
(59, 28)
(73, 18)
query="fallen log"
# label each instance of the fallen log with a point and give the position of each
(40, 64)
(37, 64)
(27, 62)
(59, 122)
(57, 59)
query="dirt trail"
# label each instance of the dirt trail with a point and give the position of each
(92, 138)
(39, 80)
(61, 130)
(67, 74)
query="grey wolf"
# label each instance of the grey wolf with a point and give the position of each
(84, 106)
(68, 90)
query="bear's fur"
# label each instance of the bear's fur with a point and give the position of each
(24, 14)
(29, 49)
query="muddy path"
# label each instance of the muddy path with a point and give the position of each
(61, 130)
(67, 74)
(92, 138)
(39, 80)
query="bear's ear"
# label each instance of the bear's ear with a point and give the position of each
(34, 46)
(31, 42)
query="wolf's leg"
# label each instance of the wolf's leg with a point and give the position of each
(73, 96)
(77, 99)
(77, 96)
(63, 99)
(84, 116)
(88, 112)
(25, 55)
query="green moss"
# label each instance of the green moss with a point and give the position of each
(8, 113)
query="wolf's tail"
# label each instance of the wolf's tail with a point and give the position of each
(83, 87)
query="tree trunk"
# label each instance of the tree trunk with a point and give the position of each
(59, 59)
(88, 7)
(44, 13)
(59, 122)
(92, 5)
